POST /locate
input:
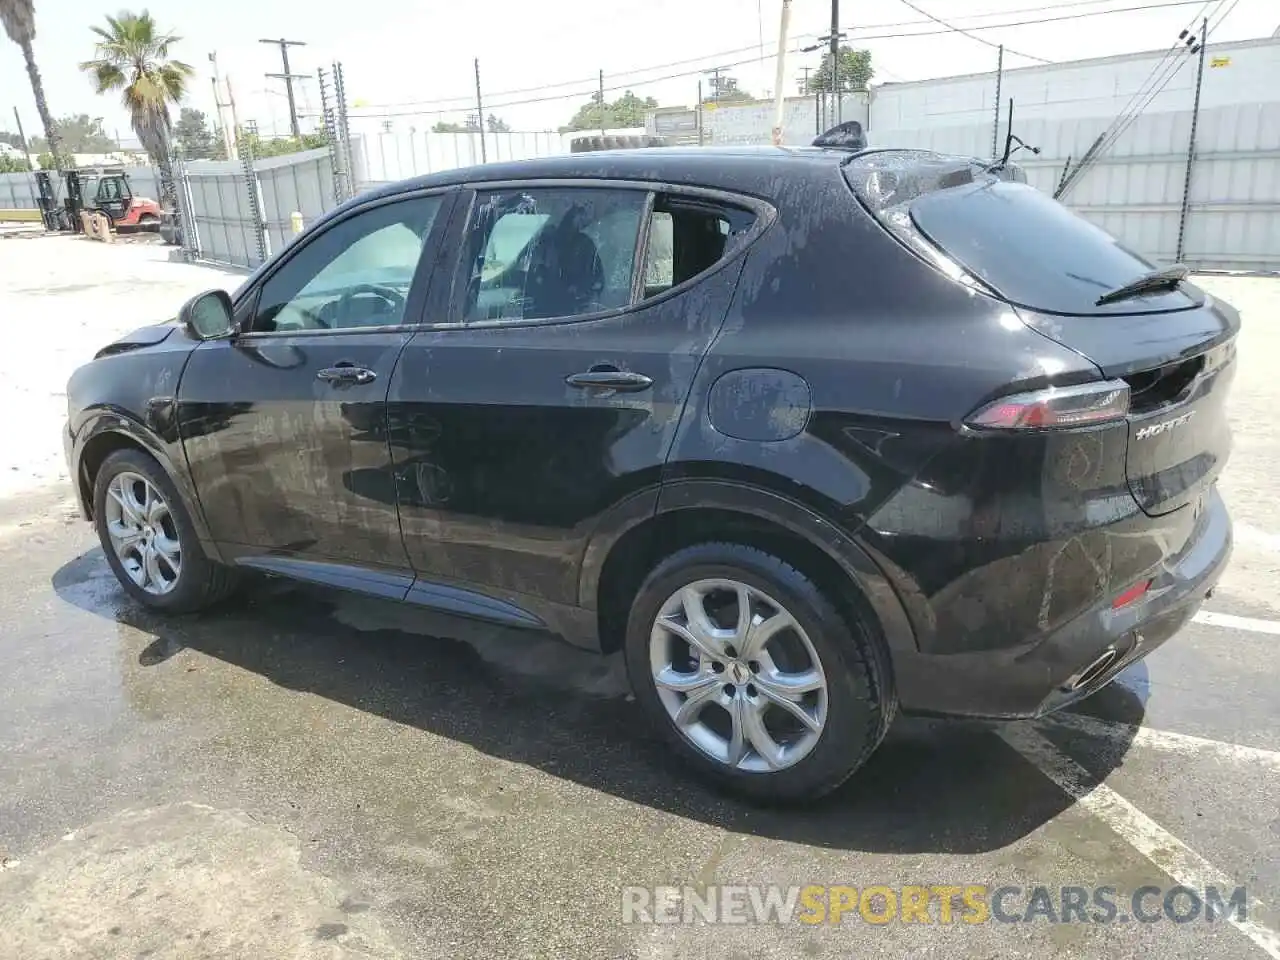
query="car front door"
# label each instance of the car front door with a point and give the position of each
(284, 425)
(553, 390)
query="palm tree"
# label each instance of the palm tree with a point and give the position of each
(19, 18)
(133, 57)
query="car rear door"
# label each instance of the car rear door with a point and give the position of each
(551, 385)
(284, 425)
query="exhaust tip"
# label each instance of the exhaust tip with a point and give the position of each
(1095, 670)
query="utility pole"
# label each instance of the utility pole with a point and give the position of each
(835, 59)
(715, 84)
(31, 177)
(995, 130)
(780, 99)
(1191, 147)
(484, 154)
(235, 123)
(699, 113)
(288, 79)
(602, 103)
(228, 129)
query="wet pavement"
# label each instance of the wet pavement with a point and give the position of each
(308, 774)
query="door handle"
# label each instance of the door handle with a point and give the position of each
(604, 377)
(344, 373)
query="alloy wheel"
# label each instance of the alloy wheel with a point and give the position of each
(143, 534)
(738, 676)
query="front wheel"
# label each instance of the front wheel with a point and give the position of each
(753, 675)
(150, 542)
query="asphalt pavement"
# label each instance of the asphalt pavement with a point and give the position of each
(307, 774)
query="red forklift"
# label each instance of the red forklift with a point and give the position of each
(104, 190)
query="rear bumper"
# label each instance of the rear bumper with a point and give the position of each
(1035, 679)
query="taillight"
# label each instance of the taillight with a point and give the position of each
(1055, 407)
(1136, 592)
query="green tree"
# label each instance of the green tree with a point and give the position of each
(80, 133)
(497, 125)
(445, 126)
(855, 71)
(627, 111)
(193, 135)
(258, 147)
(132, 57)
(19, 18)
(12, 139)
(46, 161)
(10, 164)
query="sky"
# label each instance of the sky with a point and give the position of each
(411, 62)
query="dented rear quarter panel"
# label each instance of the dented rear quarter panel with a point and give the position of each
(988, 541)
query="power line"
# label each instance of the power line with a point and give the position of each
(464, 99)
(967, 33)
(1157, 80)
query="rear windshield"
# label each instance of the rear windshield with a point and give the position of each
(1021, 243)
(1034, 251)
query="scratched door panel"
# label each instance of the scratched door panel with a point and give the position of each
(287, 462)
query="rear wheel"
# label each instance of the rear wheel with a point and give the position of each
(753, 675)
(150, 542)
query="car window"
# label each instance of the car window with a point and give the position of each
(553, 252)
(355, 274)
(686, 237)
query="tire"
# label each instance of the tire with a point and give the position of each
(855, 706)
(148, 221)
(186, 580)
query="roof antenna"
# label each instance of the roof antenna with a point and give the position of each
(845, 136)
(1009, 149)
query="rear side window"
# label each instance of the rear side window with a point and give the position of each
(1021, 243)
(688, 236)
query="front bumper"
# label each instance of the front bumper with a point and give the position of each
(1038, 678)
(73, 471)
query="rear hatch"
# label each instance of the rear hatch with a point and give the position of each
(1172, 344)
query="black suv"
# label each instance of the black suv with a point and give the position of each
(809, 434)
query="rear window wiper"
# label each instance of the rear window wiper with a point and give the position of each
(1166, 279)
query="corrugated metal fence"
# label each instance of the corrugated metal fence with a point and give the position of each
(1134, 190)
(241, 214)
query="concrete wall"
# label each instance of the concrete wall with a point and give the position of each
(752, 123)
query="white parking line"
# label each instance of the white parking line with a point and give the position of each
(1211, 619)
(1166, 740)
(1160, 847)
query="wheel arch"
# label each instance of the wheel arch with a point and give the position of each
(687, 512)
(112, 431)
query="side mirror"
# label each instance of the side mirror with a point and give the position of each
(208, 315)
